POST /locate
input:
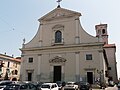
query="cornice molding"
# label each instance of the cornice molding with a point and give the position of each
(82, 45)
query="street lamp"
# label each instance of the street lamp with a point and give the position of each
(100, 72)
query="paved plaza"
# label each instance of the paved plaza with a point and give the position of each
(109, 88)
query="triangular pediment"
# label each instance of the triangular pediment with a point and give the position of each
(59, 13)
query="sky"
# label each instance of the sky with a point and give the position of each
(19, 20)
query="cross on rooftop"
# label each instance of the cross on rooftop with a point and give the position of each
(58, 1)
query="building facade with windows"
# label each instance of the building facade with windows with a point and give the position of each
(9, 67)
(63, 51)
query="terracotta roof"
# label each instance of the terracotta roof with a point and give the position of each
(109, 46)
(3, 56)
(14, 59)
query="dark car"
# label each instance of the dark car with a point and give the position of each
(118, 85)
(20, 86)
(85, 86)
(60, 84)
(3, 84)
(38, 85)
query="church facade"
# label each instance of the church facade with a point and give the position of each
(63, 51)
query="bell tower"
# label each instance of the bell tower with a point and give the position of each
(101, 33)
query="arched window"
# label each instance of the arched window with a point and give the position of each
(16, 72)
(58, 37)
(103, 31)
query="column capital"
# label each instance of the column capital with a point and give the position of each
(22, 55)
(77, 19)
(41, 24)
(77, 52)
(100, 51)
(40, 40)
(39, 54)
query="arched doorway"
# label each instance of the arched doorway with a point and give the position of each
(14, 79)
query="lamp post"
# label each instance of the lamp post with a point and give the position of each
(100, 72)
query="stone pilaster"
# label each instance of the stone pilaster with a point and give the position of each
(77, 65)
(39, 67)
(77, 38)
(40, 35)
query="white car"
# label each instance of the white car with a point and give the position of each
(49, 86)
(71, 85)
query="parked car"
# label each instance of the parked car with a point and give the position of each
(71, 85)
(3, 84)
(60, 84)
(20, 86)
(118, 85)
(38, 85)
(49, 86)
(111, 83)
(85, 86)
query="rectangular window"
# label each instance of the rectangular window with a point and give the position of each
(0, 70)
(109, 68)
(88, 56)
(30, 60)
(16, 65)
(8, 64)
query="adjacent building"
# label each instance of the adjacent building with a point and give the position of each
(63, 51)
(110, 50)
(9, 67)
